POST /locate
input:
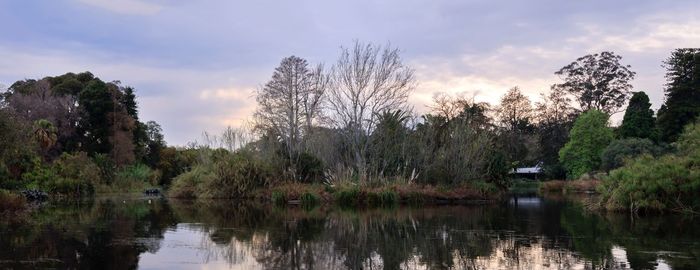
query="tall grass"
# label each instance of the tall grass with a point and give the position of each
(11, 202)
(221, 174)
(133, 178)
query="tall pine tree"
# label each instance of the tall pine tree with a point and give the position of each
(639, 118)
(682, 93)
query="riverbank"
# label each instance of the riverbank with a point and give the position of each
(572, 186)
(356, 195)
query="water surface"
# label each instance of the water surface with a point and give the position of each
(527, 233)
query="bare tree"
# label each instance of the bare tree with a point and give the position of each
(233, 138)
(515, 109)
(444, 105)
(366, 81)
(290, 103)
(553, 108)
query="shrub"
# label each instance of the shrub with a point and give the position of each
(618, 151)
(134, 178)
(71, 175)
(278, 198)
(11, 202)
(173, 162)
(309, 168)
(236, 175)
(107, 168)
(671, 182)
(188, 184)
(384, 198)
(349, 196)
(221, 174)
(309, 200)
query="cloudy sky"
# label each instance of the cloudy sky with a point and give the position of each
(196, 64)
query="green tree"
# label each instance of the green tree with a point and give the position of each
(598, 81)
(388, 144)
(682, 104)
(588, 138)
(639, 118)
(95, 103)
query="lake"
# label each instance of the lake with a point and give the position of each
(519, 233)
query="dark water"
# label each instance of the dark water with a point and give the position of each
(534, 233)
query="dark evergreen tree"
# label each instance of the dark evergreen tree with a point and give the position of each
(95, 104)
(682, 104)
(638, 121)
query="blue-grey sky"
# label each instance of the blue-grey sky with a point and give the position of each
(196, 64)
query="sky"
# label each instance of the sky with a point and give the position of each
(196, 64)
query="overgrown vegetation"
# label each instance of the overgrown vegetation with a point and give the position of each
(74, 134)
(221, 174)
(11, 203)
(322, 135)
(670, 182)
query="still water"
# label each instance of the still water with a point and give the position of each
(527, 233)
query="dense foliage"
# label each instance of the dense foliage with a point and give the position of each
(352, 126)
(638, 121)
(74, 134)
(670, 182)
(618, 151)
(588, 138)
(598, 81)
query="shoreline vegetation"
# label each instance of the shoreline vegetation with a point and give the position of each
(347, 135)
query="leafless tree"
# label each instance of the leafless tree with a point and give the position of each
(366, 80)
(234, 138)
(515, 109)
(290, 103)
(553, 108)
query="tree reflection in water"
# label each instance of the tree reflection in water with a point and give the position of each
(525, 234)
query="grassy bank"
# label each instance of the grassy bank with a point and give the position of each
(570, 186)
(356, 195)
(11, 203)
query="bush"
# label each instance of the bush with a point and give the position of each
(71, 175)
(134, 178)
(309, 200)
(173, 162)
(278, 198)
(309, 168)
(107, 168)
(618, 151)
(11, 202)
(188, 184)
(221, 174)
(671, 182)
(349, 196)
(384, 198)
(236, 175)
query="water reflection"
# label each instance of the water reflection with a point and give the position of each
(522, 233)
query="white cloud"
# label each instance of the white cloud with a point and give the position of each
(131, 7)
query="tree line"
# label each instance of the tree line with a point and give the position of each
(346, 122)
(354, 116)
